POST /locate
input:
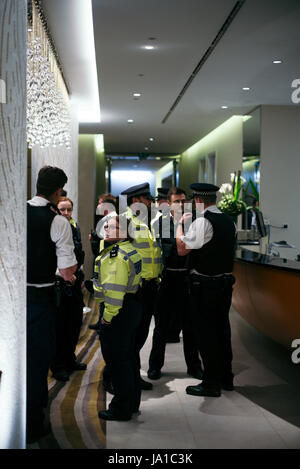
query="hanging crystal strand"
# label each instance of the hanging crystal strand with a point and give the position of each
(48, 118)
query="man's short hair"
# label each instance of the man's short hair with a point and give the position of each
(106, 197)
(175, 191)
(207, 199)
(49, 180)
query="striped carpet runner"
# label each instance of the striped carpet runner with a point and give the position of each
(74, 405)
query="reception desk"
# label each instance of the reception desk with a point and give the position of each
(267, 294)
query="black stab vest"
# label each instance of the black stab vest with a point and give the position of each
(41, 251)
(216, 257)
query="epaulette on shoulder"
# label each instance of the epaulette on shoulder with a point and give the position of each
(114, 251)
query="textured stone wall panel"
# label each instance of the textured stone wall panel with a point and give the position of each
(13, 175)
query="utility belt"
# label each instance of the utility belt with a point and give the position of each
(213, 280)
(148, 281)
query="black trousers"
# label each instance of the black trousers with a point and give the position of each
(118, 341)
(68, 324)
(173, 302)
(41, 310)
(148, 299)
(211, 301)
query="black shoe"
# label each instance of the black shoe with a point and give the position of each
(110, 415)
(32, 437)
(77, 366)
(61, 375)
(108, 387)
(154, 374)
(201, 391)
(196, 373)
(145, 385)
(228, 386)
(94, 326)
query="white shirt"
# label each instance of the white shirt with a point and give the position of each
(201, 231)
(61, 235)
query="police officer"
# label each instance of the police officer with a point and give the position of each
(70, 305)
(139, 201)
(49, 246)
(172, 312)
(210, 243)
(116, 282)
(162, 195)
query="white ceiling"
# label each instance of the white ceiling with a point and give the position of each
(262, 31)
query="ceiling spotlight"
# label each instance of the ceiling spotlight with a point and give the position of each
(149, 47)
(277, 61)
(146, 148)
(130, 121)
(224, 107)
(151, 139)
(246, 88)
(136, 95)
(151, 38)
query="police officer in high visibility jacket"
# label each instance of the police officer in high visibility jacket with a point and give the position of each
(117, 278)
(142, 229)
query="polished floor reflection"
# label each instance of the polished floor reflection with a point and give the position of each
(262, 412)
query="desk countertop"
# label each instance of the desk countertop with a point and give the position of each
(245, 255)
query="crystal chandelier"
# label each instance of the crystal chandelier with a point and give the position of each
(48, 114)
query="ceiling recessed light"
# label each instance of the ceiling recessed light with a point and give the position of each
(246, 88)
(151, 139)
(151, 38)
(224, 107)
(130, 121)
(277, 61)
(146, 148)
(149, 47)
(136, 95)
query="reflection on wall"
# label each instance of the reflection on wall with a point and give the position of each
(251, 155)
(226, 142)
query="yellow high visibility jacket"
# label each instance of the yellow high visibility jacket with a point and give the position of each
(147, 246)
(117, 271)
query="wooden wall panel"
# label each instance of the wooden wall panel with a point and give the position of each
(269, 300)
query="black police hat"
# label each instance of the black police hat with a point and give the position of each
(204, 189)
(162, 193)
(140, 189)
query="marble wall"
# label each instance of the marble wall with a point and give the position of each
(13, 186)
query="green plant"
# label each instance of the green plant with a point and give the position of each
(230, 202)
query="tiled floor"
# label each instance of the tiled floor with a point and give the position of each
(263, 411)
